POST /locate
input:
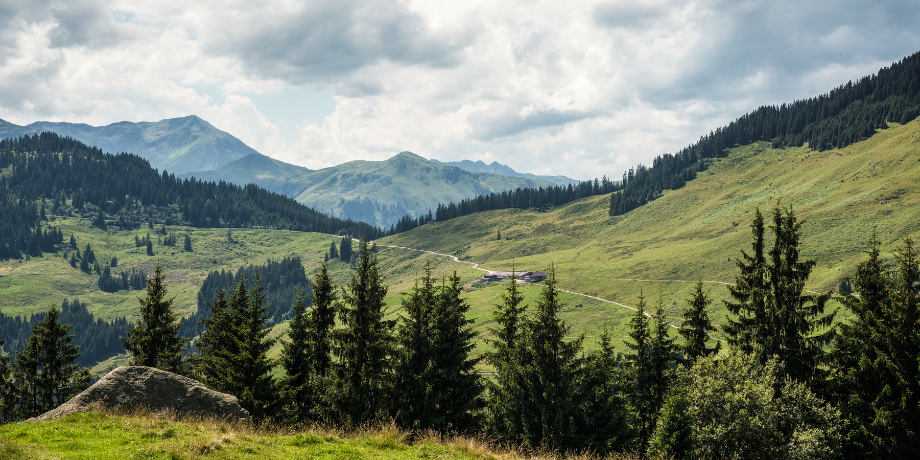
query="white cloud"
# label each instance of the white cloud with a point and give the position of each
(576, 88)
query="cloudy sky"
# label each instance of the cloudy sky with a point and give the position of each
(551, 87)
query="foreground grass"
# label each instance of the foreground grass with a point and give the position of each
(100, 435)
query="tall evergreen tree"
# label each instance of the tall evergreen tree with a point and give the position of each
(363, 346)
(775, 317)
(154, 340)
(607, 423)
(250, 369)
(458, 386)
(6, 388)
(642, 372)
(216, 345)
(697, 326)
(45, 373)
(345, 249)
(333, 251)
(551, 375)
(505, 391)
(187, 244)
(322, 324)
(414, 393)
(663, 355)
(296, 359)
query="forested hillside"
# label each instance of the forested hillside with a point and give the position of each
(125, 192)
(848, 114)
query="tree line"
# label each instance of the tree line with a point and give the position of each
(790, 381)
(848, 114)
(519, 198)
(124, 191)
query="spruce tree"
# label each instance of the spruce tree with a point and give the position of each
(154, 340)
(149, 247)
(296, 359)
(249, 372)
(606, 424)
(45, 373)
(458, 386)
(696, 327)
(345, 249)
(414, 394)
(775, 317)
(187, 244)
(363, 346)
(216, 344)
(663, 354)
(322, 324)
(333, 251)
(551, 375)
(505, 391)
(642, 372)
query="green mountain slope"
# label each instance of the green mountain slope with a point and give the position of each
(268, 173)
(504, 170)
(381, 192)
(698, 231)
(177, 145)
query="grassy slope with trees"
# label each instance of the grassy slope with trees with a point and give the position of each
(664, 247)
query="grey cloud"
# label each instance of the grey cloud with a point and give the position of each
(325, 40)
(84, 23)
(490, 125)
(631, 14)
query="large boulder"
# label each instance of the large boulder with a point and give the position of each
(128, 388)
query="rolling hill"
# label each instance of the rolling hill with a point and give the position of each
(177, 145)
(698, 231)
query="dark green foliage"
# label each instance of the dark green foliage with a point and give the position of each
(114, 262)
(775, 318)
(526, 198)
(322, 323)
(154, 340)
(505, 390)
(187, 244)
(364, 346)
(215, 344)
(848, 114)
(149, 248)
(6, 383)
(99, 221)
(44, 374)
(126, 189)
(674, 437)
(133, 280)
(171, 240)
(345, 251)
(249, 373)
(697, 326)
(875, 376)
(437, 386)
(550, 375)
(98, 340)
(282, 281)
(300, 385)
(333, 251)
(649, 367)
(607, 423)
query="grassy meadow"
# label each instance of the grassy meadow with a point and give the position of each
(660, 249)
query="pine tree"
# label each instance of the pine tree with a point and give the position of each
(296, 358)
(333, 251)
(45, 373)
(345, 249)
(775, 318)
(414, 394)
(363, 346)
(322, 323)
(154, 339)
(696, 326)
(505, 391)
(551, 373)
(187, 245)
(606, 424)
(457, 384)
(250, 370)
(149, 247)
(663, 354)
(642, 371)
(215, 345)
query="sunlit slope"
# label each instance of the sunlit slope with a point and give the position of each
(698, 231)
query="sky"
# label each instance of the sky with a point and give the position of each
(579, 88)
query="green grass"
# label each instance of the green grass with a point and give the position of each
(697, 232)
(100, 436)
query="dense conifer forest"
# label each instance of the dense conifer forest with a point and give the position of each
(124, 191)
(788, 383)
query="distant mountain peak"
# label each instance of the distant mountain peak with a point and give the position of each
(410, 155)
(504, 170)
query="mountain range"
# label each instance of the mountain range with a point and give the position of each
(377, 192)
(176, 145)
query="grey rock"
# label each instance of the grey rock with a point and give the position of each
(128, 388)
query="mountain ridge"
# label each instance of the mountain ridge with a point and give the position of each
(504, 170)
